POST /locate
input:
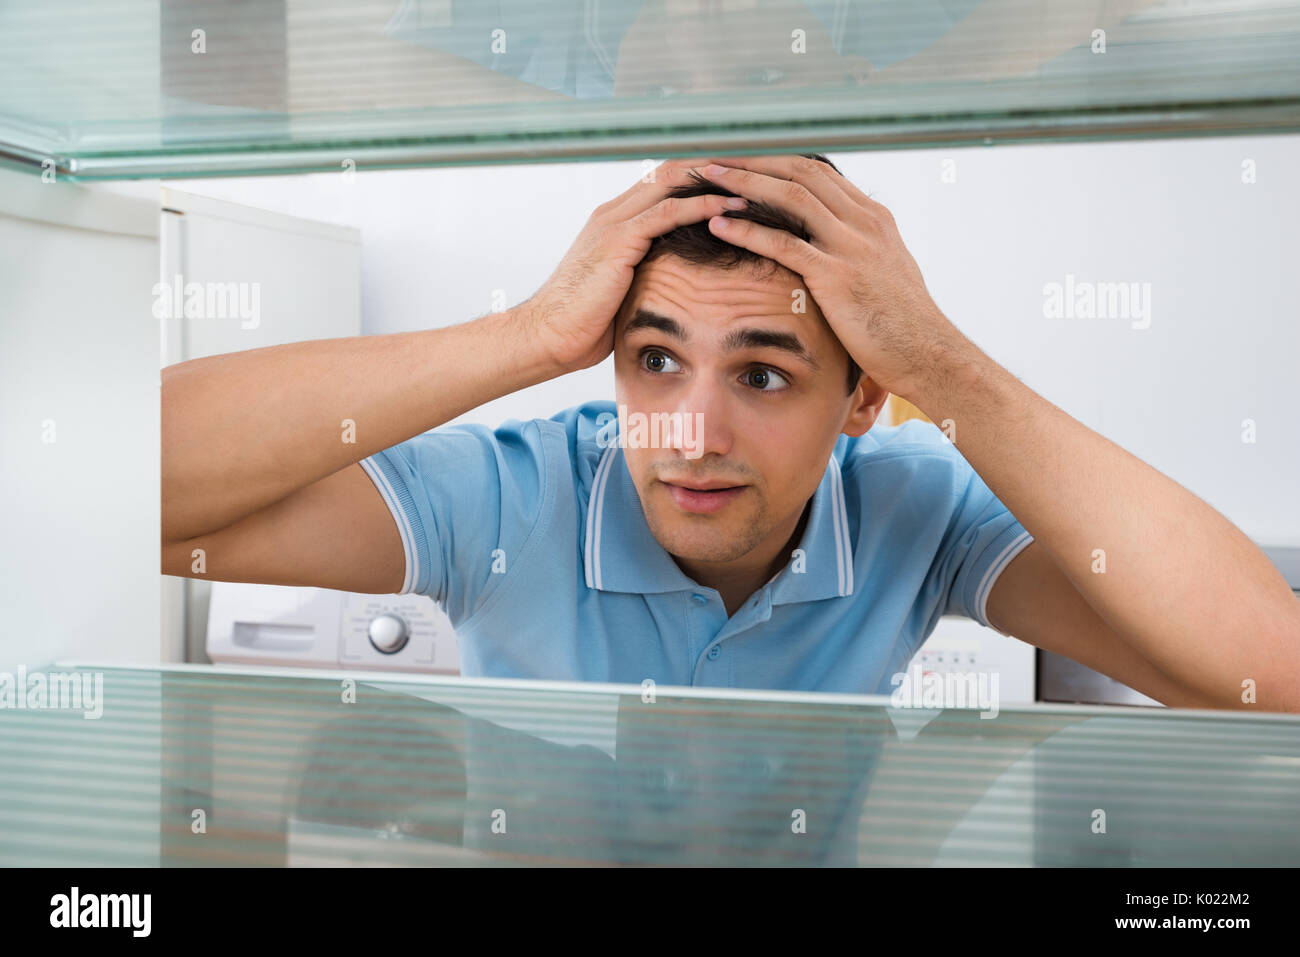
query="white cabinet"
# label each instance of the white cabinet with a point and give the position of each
(234, 277)
(79, 432)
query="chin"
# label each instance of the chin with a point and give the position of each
(713, 551)
(703, 542)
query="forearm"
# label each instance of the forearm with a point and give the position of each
(242, 430)
(1191, 592)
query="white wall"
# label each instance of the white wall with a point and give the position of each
(1222, 345)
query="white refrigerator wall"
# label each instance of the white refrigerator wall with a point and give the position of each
(79, 424)
(1207, 226)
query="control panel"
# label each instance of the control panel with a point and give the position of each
(960, 645)
(324, 628)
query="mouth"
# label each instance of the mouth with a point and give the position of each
(702, 498)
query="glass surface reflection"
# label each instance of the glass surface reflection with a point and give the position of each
(117, 89)
(198, 767)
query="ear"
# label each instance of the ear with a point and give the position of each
(867, 401)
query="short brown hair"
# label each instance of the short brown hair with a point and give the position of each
(695, 243)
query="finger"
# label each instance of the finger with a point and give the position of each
(825, 228)
(835, 192)
(674, 211)
(776, 244)
(611, 207)
(650, 189)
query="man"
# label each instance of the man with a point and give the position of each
(765, 534)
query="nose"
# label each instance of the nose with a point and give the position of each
(701, 423)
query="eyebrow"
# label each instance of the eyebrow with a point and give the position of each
(737, 339)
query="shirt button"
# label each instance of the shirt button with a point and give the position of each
(700, 599)
(714, 652)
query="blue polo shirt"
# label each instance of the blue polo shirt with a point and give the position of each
(532, 539)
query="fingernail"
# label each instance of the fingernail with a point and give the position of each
(719, 222)
(713, 169)
(734, 202)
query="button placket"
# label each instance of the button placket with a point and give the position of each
(702, 603)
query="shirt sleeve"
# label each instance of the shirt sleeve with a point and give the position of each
(466, 500)
(982, 539)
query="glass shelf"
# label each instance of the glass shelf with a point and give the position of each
(126, 88)
(200, 766)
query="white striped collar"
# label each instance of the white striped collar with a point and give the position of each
(621, 554)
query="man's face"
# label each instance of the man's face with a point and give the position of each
(769, 386)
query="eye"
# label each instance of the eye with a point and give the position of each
(652, 360)
(763, 377)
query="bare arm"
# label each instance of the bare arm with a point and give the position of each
(241, 431)
(1165, 573)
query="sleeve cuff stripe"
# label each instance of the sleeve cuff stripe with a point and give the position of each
(390, 497)
(991, 576)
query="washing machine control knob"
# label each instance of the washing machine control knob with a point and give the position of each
(388, 633)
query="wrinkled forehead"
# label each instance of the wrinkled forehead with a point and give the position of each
(718, 297)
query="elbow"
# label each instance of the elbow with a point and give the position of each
(177, 558)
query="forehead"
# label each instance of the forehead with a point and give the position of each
(709, 297)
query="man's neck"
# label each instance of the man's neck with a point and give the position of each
(736, 581)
